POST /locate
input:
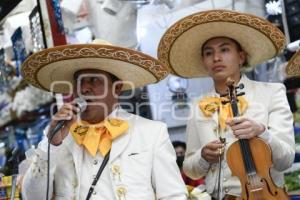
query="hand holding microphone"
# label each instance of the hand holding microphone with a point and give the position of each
(63, 119)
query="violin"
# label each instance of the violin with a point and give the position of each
(250, 160)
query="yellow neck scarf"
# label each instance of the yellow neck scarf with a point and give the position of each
(98, 136)
(209, 105)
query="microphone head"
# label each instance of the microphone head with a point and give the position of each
(81, 104)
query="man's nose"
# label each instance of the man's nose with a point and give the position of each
(85, 87)
(217, 57)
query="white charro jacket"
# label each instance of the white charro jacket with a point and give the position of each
(144, 154)
(268, 105)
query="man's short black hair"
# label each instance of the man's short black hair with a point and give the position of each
(179, 144)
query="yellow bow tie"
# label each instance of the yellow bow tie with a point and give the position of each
(98, 136)
(209, 105)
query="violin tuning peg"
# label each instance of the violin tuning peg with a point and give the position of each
(241, 94)
(241, 86)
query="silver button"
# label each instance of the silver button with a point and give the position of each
(226, 190)
(94, 193)
(224, 179)
(213, 169)
(95, 162)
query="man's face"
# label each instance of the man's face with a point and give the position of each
(222, 59)
(97, 88)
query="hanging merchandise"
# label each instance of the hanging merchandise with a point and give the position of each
(6, 187)
(7, 73)
(274, 8)
(19, 49)
(2, 69)
(58, 17)
(36, 30)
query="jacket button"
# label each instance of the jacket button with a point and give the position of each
(121, 192)
(213, 169)
(95, 162)
(94, 193)
(226, 190)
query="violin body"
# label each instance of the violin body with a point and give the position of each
(256, 184)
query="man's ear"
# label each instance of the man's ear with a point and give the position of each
(118, 87)
(243, 57)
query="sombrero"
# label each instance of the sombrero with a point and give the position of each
(53, 69)
(180, 46)
(293, 66)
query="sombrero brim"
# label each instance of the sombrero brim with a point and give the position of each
(53, 69)
(180, 46)
(293, 66)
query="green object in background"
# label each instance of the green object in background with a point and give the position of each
(297, 138)
(297, 117)
(292, 180)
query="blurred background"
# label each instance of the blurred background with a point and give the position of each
(27, 26)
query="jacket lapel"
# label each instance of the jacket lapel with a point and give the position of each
(120, 143)
(77, 154)
(248, 89)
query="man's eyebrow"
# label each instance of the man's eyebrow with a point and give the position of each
(224, 44)
(207, 48)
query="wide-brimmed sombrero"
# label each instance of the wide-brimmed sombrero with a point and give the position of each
(293, 66)
(180, 46)
(53, 69)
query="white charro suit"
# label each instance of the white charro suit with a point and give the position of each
(144, 154)
(268, 105)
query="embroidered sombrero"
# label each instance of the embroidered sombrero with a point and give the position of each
(53, 69)
(180, 46)
(293, 66)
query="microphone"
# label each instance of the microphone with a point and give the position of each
(81, 104)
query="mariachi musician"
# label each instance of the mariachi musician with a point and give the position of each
(220, 44)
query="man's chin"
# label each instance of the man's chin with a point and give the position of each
(91, 117)
(85, 116)
(220, 76)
